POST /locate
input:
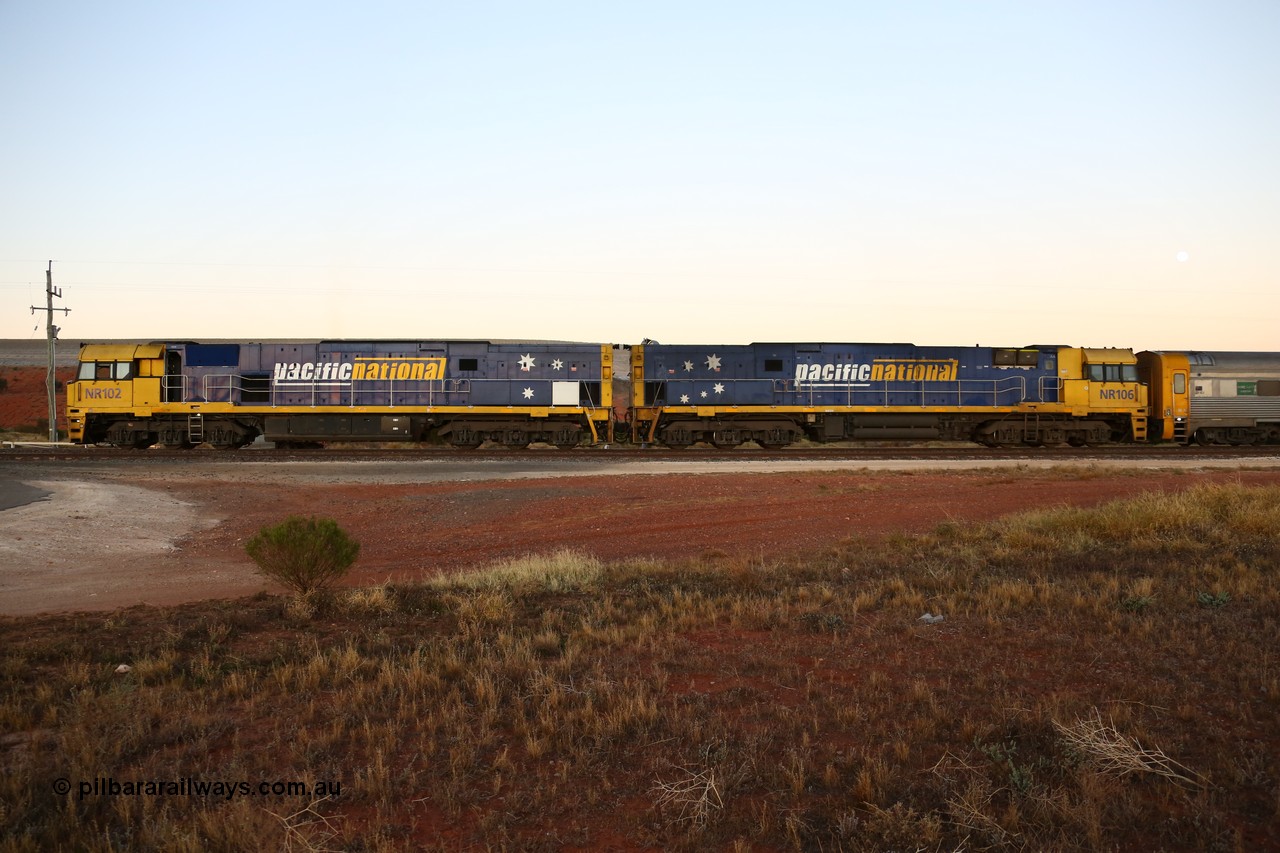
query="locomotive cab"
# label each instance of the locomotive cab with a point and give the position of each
(1104, 385)
(118, 381)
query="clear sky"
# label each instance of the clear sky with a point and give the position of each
(1004, 173)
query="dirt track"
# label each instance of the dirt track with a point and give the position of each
(113, 537)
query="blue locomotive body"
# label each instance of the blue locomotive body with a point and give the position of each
(853, 375)
(776, 393)
(386, 373)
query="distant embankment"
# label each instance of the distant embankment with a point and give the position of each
(24, 402)
(35, 352)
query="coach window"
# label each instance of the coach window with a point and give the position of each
(1269, 387)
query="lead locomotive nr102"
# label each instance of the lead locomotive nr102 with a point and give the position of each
(227, 394)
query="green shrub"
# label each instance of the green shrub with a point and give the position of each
(304, 554)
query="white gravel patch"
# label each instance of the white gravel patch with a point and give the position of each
(81, 538)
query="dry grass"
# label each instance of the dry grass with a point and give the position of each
(690, 798)
(731, 703)
(1112, 752)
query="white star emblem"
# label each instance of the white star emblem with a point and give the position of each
(704, 395)
(684, 398)
(719, 388)
(688, 367)
(526, 362)
(557, 365)
(528, 393)
(713, 362)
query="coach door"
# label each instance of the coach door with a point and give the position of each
(1179, 405)
(1167, 375)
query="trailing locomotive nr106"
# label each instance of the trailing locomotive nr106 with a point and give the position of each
(227, 394)
(775, 394)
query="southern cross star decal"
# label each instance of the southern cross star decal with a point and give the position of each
(719, 388)
(557, 365)
(688, 367)
(526, 362)
(713, 362)
(684, 398)
(703, 395)
(528, 393)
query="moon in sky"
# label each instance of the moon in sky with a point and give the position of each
(1183, 257)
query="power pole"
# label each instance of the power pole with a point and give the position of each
(51, 381)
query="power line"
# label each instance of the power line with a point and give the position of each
(51, 381)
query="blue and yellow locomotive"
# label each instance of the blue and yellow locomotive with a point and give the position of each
(298, 392)
(776, 393)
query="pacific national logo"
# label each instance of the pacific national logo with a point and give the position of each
(361, 370)
(879, 370)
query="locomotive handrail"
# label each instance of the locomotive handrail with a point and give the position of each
(971, 392)
(1050, 384)
(214, 383)
(173, 382)
(230, 387)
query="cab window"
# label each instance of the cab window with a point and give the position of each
(1113, 372)
(106, 370)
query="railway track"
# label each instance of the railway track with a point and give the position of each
(616, 453)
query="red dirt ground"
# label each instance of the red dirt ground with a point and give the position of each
(414, 531)
(23, 402)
